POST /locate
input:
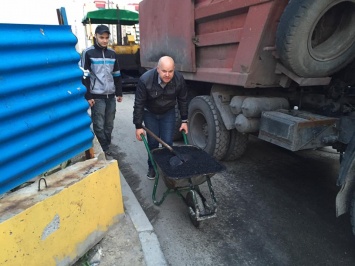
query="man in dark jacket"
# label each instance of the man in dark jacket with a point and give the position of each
(157, 92)
(103, 82)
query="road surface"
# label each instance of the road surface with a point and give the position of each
(275, 207)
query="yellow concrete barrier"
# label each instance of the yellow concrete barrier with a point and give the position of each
(60, 223)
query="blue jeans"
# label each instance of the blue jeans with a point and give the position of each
(161, 125)
(102, 115)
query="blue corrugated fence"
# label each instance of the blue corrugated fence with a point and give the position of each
(43, 112)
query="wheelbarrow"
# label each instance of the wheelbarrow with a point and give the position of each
(185, 179)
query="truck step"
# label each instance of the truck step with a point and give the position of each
(296, 130)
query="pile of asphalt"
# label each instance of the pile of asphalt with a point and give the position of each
(198, 162)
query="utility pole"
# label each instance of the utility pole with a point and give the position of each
(119, 29)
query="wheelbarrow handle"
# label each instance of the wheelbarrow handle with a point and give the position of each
(166, 145)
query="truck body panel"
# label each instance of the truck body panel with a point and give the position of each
(169, 30)
(226, 42)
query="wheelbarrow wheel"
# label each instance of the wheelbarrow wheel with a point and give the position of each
(196, 204)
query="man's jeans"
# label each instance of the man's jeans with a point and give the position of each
(161, 125)
(102, 115)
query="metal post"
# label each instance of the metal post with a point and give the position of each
(119, 30)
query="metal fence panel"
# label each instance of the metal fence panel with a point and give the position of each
(43, 112)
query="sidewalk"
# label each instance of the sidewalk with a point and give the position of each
(131, 241)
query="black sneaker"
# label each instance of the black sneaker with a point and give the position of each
(151, 173)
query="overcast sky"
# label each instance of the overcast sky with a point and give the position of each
(44, 12)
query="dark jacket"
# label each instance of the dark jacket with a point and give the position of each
(104, 77)
(151, 96)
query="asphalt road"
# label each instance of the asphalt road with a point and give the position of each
(275, 207)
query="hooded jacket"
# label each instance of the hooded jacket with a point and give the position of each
(103, 78)
(151, 96)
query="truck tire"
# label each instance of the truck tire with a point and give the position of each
(206, 129)
(237, 145)
(316, 38)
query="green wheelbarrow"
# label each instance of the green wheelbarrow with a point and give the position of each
(184, 179)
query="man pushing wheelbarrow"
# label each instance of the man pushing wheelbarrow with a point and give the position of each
(183, 168)
(157, 92)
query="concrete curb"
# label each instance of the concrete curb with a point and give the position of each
(67, 217)
(152, 252)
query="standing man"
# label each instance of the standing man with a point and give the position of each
(157, 92)
(103, 82)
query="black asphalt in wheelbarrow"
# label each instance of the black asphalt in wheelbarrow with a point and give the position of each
(199, 164)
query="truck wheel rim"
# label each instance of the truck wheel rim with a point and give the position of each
(199, 130)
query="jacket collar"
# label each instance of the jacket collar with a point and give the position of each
(97, 46)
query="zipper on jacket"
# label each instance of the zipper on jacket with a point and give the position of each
(93, 85)
(104, 58)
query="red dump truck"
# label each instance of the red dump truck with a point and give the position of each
(283, 71)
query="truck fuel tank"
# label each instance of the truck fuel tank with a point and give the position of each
(254, 106)
(247, 125)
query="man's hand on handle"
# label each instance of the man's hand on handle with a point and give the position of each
(139, 132)
(184, 128)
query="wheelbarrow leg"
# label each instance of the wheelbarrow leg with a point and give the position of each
(156, 180)
(214, 200)
(195, 207)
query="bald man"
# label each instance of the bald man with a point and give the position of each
(158, 91)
